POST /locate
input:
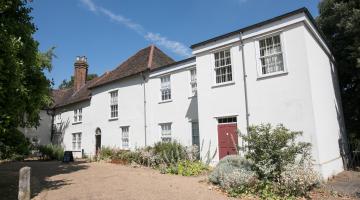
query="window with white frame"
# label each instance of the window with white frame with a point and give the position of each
(166, 132)
(271, 56)
(223, 70)
(114, 104)
(165, 88)
(193, 82)
(78, 115)
(76, 141)
(125, 137)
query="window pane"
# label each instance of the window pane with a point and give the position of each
(271, 58)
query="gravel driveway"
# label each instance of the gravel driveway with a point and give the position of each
(55, 180)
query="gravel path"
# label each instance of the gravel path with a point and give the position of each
(55, 180)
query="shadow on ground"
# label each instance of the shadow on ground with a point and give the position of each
(40, 172)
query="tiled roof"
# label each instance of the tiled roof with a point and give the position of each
(63, 97)
(148, 58)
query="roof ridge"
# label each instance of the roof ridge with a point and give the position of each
(151, 55)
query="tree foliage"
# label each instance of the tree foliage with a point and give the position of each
(69, 83)
(339, 20)
(24, 88)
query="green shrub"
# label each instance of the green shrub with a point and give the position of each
(191, 168)
(271, 149)
(52, 152)
(233, 172)
(170, 152)
(13, 145)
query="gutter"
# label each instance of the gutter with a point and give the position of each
(245, 84)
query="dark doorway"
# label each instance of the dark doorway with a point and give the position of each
(228, 139)
(97, 140)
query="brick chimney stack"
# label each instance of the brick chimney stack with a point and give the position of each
(81, 70)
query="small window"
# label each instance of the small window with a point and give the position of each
(271, 56)
(225, 120)
(165, 88)
(166, 132)
(76, 141)
(78, 115)
(125, 137)
(193, 82)
(114, 104)
(223, 70)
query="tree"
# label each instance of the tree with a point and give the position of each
(69, 83)
(339, 20)
(24, 88)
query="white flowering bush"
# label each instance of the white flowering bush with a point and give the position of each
(298, 178)
(233, 172)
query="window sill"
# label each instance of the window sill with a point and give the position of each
(271, 75)
(113, 119)
(223, 84)
(76, 150)
(166, 101)
(74, 123)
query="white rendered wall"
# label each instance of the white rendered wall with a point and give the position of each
(287, 98)
(42, 133)
(327, 108)
(180, 111)
(130, 112)
(64, 121)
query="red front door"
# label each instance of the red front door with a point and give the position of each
(228, 139)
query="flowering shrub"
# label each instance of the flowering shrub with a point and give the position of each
(169, 157)
(298, 178)
(233, 172)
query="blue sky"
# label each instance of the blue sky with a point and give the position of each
(109, 31)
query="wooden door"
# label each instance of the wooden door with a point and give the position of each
(228, 139)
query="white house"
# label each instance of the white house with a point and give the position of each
(277, 71)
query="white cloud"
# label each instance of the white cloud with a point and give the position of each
(90, 5)
(174, 46)
(122, 20)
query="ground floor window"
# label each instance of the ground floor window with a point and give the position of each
(166, 132)
(76, 141)
(195, 134)
(125, 137)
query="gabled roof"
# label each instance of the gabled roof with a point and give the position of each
(146, 59)
(280, 17)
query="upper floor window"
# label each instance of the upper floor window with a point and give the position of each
(271, 56)
(78, 115)
(166, 132)
(223, 70)
(125, 137)
(114, 104)
(165, 88)
(193, 82)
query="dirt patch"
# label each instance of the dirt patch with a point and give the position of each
(55, 180)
